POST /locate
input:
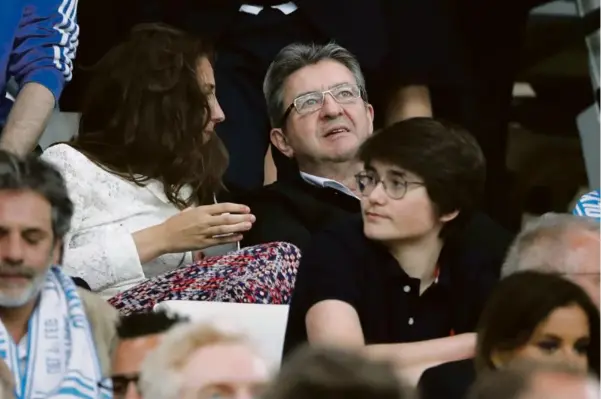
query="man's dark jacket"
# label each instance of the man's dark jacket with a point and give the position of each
(292, 210)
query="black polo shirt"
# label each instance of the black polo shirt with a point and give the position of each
(343, 264)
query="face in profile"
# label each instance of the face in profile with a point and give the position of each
(331, 132)
(206, 80)
(396, 205)
(562, 338)
(224, 371)
(27, 245)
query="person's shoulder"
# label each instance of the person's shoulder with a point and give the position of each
(96, 307)
(103, 319)
(483, 233)
(349, 227)
(448, 380)
(478, 251)
(345, 235)
(64, 154)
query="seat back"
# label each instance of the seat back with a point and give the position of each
(264, 325)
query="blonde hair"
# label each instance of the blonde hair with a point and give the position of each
(160, 375)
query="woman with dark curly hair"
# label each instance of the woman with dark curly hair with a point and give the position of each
(146, 166)
(540, 317)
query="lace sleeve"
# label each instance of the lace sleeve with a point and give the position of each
(102, 255)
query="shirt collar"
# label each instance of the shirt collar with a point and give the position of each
(442, 274)
(326, 183)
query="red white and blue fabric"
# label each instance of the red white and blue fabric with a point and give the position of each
(261, 274)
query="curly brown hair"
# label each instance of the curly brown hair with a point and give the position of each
(145, 114)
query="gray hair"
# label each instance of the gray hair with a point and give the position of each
(294, 57)
(32, 173)
(161, 377)
(515, 380)
(324, 372)
(544, 244)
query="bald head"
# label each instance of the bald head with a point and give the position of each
(559, 243)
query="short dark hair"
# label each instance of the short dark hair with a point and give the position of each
(145, 113)
(148, 323)
(32, 173)
(519, 303)
(317, 372)
(447, 158)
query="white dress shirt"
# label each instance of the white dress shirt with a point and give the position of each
(325, 182)
(108, 209)
(285, 8)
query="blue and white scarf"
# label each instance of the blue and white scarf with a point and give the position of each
(61, 355)
(589, 205)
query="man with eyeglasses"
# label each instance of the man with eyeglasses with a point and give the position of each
(406, 281)
(138, 334)
(320, 116)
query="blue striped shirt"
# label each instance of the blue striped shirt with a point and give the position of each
(38, 40)
(588, 205)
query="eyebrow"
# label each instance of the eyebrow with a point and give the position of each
(319, 91)
(397, 173)
(26, 230)
(209, 87)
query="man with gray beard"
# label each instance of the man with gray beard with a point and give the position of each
(54, 337)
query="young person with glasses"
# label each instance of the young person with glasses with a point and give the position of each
(405, 281)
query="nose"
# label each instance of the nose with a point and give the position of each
(12, 249)
(244, 394)
(217, 115)
(330, 106)
(132, 392)
(378, 194)
(574, 359)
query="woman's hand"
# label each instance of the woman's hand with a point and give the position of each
(194, 229)
(205, 226)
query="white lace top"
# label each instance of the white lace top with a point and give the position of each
(108, 209)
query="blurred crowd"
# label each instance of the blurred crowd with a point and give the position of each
(340, 161)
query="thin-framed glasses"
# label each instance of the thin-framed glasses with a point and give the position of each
(120, 384)
(345, 93)
(394, 186)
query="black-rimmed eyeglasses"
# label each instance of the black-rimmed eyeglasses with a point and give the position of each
(395, 187)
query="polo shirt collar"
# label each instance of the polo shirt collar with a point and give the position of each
(445, 262)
